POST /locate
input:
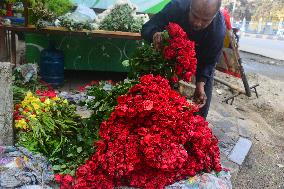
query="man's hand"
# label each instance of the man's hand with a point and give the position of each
(199, 96)
(157, 40)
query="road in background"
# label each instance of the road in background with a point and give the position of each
(265, 47)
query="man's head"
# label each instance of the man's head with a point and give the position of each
(202, 12)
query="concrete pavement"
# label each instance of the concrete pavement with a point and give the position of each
(231, 128)
(265, 47)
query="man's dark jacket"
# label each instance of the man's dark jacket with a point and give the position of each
(209, 42)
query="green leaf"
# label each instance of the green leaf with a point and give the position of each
(79, 150)
(72, 173)
(63, 166)
(56, 167)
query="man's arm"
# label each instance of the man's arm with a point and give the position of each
(209, 55)
(205, 71)
(170, 13)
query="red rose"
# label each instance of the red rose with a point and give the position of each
(148, 105)
(178, 69)
(67, 179)
(169, 53)
(17, 106)
(58, 177)
(42, 99)
(82, 171)
(187, 76)
(174, 79)
(175, 30)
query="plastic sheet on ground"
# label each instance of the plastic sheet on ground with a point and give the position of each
(221, 180)
(205, 181)
(20, 168)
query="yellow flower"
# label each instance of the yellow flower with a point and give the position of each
(33, 116)
(65, 101)
(35, 106)
(21, 124)
(29, 94)
(47, 101)
(55, 98)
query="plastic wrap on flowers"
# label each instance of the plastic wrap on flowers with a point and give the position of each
(152, 139)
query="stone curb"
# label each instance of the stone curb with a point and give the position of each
(263, 36)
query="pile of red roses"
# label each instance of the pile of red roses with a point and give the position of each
(46, 90)
(181, 51)
(50, 93)
(152, 139)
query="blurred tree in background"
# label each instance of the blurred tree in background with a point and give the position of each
(268, 10)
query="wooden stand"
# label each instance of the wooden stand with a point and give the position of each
(11, 39)
(3, 48)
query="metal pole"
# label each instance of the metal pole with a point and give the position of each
(239, 61)
(234, 8)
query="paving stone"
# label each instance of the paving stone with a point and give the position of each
(240, 150)
(234, 136)
(226, 146)
(218, 132)
(226, 126)
(225, 114)
(243, 128)
(226, 163)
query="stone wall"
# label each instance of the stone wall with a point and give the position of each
(6, 104)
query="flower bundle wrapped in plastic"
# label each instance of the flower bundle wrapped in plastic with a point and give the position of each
(151, 139)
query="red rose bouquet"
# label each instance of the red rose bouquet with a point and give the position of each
(175, 62)
(151, 139)
(181, 51)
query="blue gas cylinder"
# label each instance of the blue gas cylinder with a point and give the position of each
(52, 66)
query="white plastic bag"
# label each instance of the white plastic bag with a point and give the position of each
(83, 14)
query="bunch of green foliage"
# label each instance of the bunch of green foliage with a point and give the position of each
(2, 12)
(62, 136)
(72, 25)
(41, 13)
(44, 12)
(59, 134)
(106, 99)
(59, 7)
(20, 87)
(121, 18)
(10, 1)
(147, 60)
